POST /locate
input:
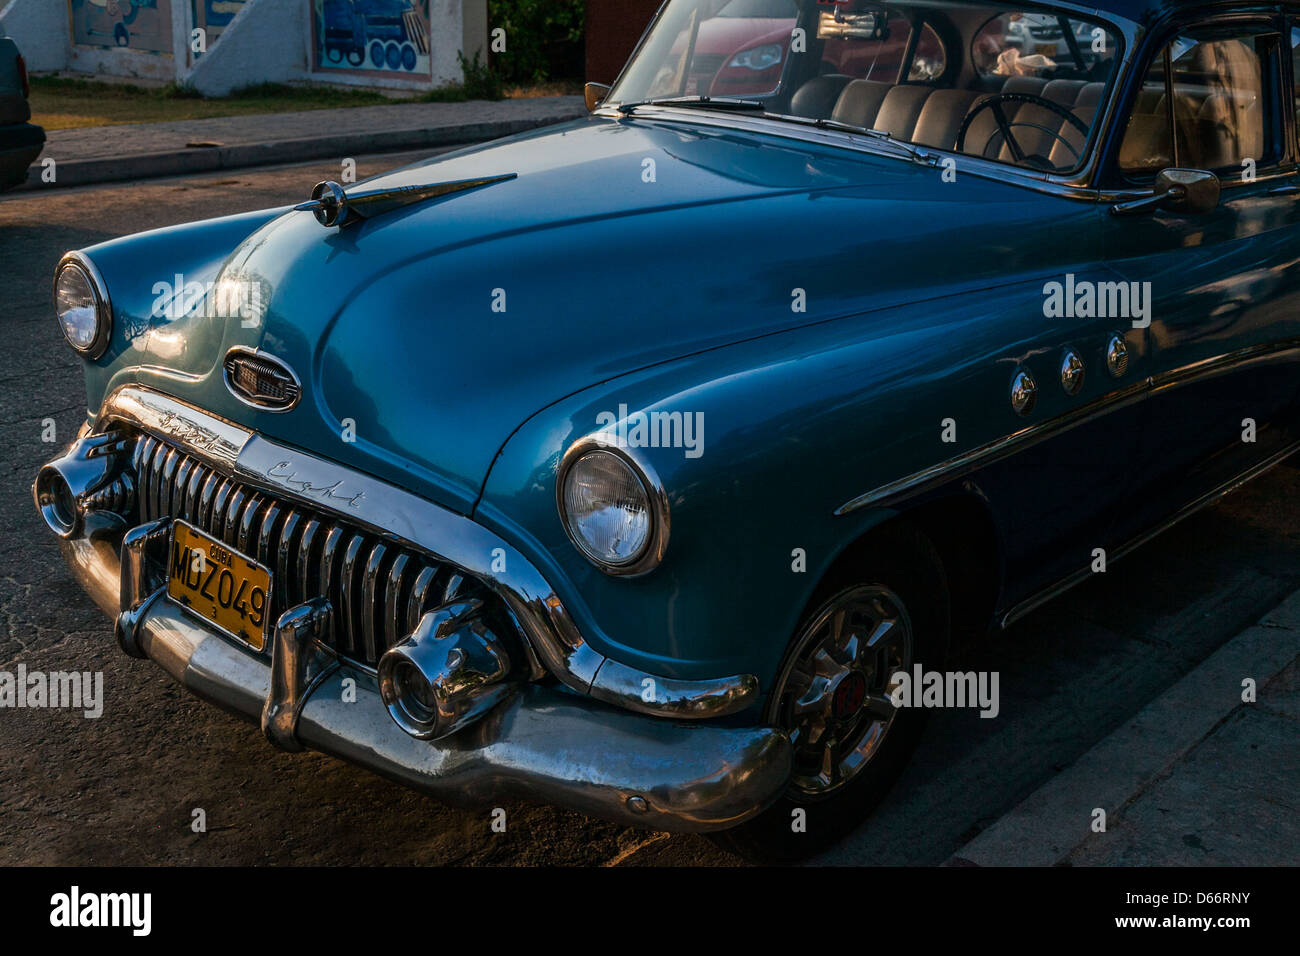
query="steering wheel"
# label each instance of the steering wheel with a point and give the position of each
(994, 103)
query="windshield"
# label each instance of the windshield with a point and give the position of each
(1015, 86)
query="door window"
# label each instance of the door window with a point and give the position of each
(1205, 103)
(1295, 70)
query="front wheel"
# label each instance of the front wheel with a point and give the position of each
(882, 611)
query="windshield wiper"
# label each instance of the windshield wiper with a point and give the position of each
(698, 102)
(916, 153)
(728, 103)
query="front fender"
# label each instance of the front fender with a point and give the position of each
(794, 426)
(135, 269)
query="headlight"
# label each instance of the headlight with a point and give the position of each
(81, 304)
(758, 58)
(613, 508)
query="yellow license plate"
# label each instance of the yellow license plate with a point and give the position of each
(1047, 49)
(219, 584)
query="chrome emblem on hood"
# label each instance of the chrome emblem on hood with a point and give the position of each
(261, 380)
(333, 206)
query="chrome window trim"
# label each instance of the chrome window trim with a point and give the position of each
(103, 305)
(398, 515)
(967, 462)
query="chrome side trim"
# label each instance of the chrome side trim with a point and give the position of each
(397, 515)
(1060, 587)
(1000, 448)
(993, 451)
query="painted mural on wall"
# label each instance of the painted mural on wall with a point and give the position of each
(212, 17)
(372, 36)
(143, 26)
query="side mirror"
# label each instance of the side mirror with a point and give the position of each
(594, 93)
(1190, 191)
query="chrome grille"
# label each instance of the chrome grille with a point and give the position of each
(707, 64)
(378, 589)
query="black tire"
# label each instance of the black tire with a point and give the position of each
(902, 560)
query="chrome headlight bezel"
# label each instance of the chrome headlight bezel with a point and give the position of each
(103, 306)
(652, 552)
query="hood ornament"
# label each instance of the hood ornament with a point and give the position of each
(332, 206)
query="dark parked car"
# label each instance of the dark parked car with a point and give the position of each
(20, 141)
(638, 465)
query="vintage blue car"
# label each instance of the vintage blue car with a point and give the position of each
(633, 464)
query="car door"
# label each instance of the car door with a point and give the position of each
(1221, 287)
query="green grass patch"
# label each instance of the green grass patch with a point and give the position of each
(69, 103)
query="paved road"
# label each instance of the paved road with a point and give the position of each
(122, 789)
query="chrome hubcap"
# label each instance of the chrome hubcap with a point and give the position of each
(833, 695)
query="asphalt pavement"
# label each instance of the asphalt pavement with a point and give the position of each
(124, 788)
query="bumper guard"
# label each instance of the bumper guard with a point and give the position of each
(541, 744)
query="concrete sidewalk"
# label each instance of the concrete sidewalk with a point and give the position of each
(1198, 777)
(116, 153)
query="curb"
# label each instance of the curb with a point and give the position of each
(1053, 821)
(85, 172)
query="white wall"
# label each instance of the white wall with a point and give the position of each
(41, 31)
(269, 41)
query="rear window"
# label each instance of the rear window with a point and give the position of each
(872, 48)
(1041, 45)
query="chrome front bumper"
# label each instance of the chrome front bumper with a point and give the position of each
(543, 744)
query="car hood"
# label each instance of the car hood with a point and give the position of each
(427, 335)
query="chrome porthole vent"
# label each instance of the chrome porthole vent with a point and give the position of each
(1117, 356)
(1072, 372)
(1024, 392)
